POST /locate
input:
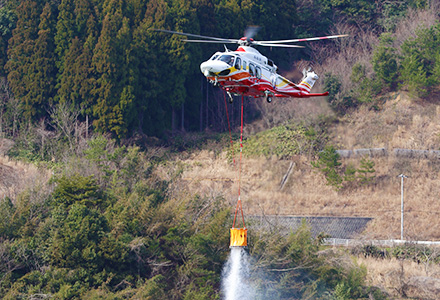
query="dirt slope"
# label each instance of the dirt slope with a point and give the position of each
(400, 123)
(16, 176)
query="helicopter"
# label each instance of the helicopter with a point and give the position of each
(247, 72)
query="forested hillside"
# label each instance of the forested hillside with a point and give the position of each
(98, 207)
(103, 60)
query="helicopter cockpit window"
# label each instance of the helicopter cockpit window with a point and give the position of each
(244, 65)
(238, 63)
(252, 69)
(214, 57)
(229, 59)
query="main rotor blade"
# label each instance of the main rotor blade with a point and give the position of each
(277, 45)
(193, 35)
(214, 42)
(305, 40)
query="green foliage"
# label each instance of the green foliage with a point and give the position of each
(122, 233)
(286, 140)
(103, 58)
(420, 62)
(340, 101)
(117, 166)
(329, 165)
(385, 62)
(78, 189)
(281, 141)
(370, 251)
(418, 4)
(7, 210)
(365, 170)
(355, 12)
(143, 244)
(84, 240)
(8, 20)
(391, 13)
(350, 173)
(364, 87)
(416, 253)
(31, 71)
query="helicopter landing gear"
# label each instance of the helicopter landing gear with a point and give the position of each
(268, 96)
(231, 99)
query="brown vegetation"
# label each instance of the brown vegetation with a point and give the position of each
(402, 278)
(403, 123)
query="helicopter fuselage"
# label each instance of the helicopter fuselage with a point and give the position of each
(247, 72)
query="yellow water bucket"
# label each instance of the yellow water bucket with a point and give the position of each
(238, 237)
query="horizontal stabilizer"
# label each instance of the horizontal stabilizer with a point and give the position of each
(316, 94)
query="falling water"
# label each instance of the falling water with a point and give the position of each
(236, 276)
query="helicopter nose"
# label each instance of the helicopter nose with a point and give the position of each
(214, 68)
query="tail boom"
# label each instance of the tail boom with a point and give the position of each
(300, 95)
(301, 90)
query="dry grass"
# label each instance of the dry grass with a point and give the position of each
(402, 124)
(339, 57)
(306, 193)
(301, 110)
(16, 177)
(414, 21)
(397, 277)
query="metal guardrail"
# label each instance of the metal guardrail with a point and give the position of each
(383, 152)
(390, 243)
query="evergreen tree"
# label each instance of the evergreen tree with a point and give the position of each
(77, 30)
(7, 24)
(385, 62)
(42, 71)
(110, 63)
(329, 164)
(183, 18)
(421, 61)
(21, 51)
(359, 12)
(66, 30)
(366, 170)
(149, 64)
(74, 75)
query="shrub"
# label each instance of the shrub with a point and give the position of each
(385, 62)
(78, 189)
(285, 141)
(421, 61)
(366, 170)
(336, 99)
(329, 164)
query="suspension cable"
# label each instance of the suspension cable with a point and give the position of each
(229, 127)
(239, 207)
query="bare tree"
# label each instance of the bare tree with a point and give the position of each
(65, 119)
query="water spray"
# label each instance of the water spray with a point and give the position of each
(236, 281)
